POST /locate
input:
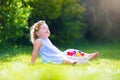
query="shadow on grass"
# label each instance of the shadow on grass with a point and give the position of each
(8, 52)
(107, 50)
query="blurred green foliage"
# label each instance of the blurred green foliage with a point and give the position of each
(102, 19)
(68, 20)
(13, 20)
(63, 17)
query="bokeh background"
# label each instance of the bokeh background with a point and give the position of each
(87, 25)
(69, 20)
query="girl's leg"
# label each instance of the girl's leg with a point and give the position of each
(93, 55)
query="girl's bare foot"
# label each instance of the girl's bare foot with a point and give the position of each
(94, 55)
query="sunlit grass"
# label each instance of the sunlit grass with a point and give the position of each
(14, 65)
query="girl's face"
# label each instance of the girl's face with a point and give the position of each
(43, 32)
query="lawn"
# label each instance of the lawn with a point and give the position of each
(14, 64)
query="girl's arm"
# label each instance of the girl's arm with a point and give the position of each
(36, 47)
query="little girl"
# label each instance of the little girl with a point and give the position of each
(50, 53)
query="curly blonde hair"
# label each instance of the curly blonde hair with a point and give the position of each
(34, 29)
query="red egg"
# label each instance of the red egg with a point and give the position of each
(82, 54)
(68, 53)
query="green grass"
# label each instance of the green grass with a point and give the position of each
(14, 64)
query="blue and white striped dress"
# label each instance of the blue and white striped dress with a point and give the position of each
(51, 54)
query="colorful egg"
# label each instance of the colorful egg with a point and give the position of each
(71, 53)
(74, 53)
(82, 54)
(77, 54)
(68, 53)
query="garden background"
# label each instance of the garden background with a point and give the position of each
(89, 25)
